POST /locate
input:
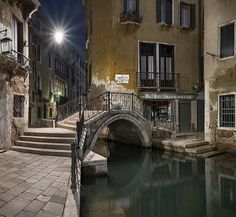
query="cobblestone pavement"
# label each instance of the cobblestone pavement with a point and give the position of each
(33, 185)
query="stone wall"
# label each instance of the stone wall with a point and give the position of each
(219, 73)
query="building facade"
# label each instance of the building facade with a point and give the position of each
(220, 70)
(58, 73)
(14, 68)
(151, 48)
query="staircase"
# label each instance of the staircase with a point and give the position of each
(46, 141)
(57, 141)
(191, 147)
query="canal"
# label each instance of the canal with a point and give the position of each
(145, 183)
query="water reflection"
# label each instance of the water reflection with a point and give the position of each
(221, 186)
(142, 183)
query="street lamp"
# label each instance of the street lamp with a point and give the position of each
(6, 46)
(59, 36)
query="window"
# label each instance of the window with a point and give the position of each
(187, 15)
(157, 67)
(90, 24)
(164, 11)
(38, 53)
(49, 60)
(50, 86)
(130, 5)
(39, 112)
(227, 40)
(50, 112)
(227, 110)
(18, 110)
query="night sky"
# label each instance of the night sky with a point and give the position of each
(69, 15)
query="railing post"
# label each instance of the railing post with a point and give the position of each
(73, 167)
(109, 101)
(132, 101)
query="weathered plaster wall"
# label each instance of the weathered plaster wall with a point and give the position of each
(113, 48)
(220, 74)
(13, 75)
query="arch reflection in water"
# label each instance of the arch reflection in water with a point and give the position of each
(145, 183)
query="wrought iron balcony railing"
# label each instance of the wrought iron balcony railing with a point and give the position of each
(157, 80)
(130, 17)
(20, 58)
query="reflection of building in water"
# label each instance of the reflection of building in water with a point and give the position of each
(221, 186)
(146, 185)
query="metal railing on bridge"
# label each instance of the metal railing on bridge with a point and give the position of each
(105, 102)
(108, 101)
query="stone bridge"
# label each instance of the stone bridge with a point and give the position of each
(119, 116)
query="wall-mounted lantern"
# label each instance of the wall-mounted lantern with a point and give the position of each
(6, 46)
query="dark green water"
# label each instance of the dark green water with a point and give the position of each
(142, 183)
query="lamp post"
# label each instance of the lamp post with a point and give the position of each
(58, 36)
(57, 96)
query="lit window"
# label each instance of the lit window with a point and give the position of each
(227, 110)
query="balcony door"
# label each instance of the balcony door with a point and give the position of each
(166, 65)
(147, 65)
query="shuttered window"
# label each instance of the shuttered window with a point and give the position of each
(187, 15)
(164, 11)
(227, 41)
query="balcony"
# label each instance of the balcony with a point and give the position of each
(153, 80)
(130, 17)
(14, 63)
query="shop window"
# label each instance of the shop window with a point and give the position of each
(18, 110)
(163, 111)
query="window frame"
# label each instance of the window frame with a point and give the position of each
(219, 40)
(125, 6)
(191, 21)
(159, 14)
(49, 60)
(218, 115)
(39, 53)
(21, 112)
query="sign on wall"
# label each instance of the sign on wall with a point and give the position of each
(122, 78)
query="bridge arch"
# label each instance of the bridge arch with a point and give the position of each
(138, 123)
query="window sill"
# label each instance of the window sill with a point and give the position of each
(226, 58)
(165, 25)
(227, 128)
(187, 28)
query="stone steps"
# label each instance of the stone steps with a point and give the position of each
(200, 149)
(50, 152)
(44, 145)
(48, 134)
(46, 141)
(209, 154)
(67, 126)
